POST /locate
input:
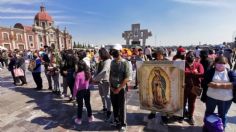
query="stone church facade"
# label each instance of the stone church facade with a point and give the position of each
(41, 33)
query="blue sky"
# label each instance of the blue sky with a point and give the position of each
(172, 22)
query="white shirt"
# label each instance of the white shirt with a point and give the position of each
(220, 94)
(148, 51)
(87, 61)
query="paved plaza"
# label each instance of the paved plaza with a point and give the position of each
(23, 109)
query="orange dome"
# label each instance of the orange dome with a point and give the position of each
(43, 15)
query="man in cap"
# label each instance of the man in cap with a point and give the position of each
(119, 77)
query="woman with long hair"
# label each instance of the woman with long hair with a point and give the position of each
(102, 76)
(81, 91)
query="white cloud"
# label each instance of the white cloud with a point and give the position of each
(18, 11)
(31, 17)
(61, 17)
(24, 11)
(219, 3)
(24, 2)
(16, 17)
(91, 13)
(65, 22)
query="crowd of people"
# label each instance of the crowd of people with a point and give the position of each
(112, 70)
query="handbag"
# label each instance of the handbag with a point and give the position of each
(18, 72)
(32, 65)
(196, 90)
(213, 123)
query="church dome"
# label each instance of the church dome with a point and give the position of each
(43, 15)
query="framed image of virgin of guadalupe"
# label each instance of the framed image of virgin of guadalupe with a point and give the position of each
(161, 86)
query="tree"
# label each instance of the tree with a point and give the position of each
(75, 46)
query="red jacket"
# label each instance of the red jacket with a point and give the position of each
(193, 74)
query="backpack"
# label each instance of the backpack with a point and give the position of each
(213, 123)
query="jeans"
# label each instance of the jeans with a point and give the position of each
(64, 85)
(223, 108)
(83, 95)
(104, 90)
(70, 80)
(49, 78)
(38, 79)
(119, 106)
(56, 82)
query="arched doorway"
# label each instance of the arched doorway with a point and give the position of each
(53, 46)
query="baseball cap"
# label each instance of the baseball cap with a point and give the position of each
(160, 50)
(181, 50)
(117, 47)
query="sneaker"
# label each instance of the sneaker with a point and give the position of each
(180, 119)
(151, 116)
(191, 121)
(123, 129)
(78, 121)
(62, 96)
(23, 84)
(91, 119)
(71, 100)
(164, 120)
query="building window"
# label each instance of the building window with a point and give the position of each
(43, 24)
(52, 35)
(7, 46)
(5, 36)
(40, 38)
(62, 41)
(31, 45)
(41, 45)
(19, 37)
(31, 38)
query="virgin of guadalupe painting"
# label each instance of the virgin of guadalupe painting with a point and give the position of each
(160, 84)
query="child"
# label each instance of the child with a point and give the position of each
(81, 91)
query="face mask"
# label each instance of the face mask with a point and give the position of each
(115, 54)
(190, 59)
(220, 67)
(182, 53)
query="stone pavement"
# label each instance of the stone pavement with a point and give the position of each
(23, 109)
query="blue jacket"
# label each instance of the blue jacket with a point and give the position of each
(208, 78)
(38, 66)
